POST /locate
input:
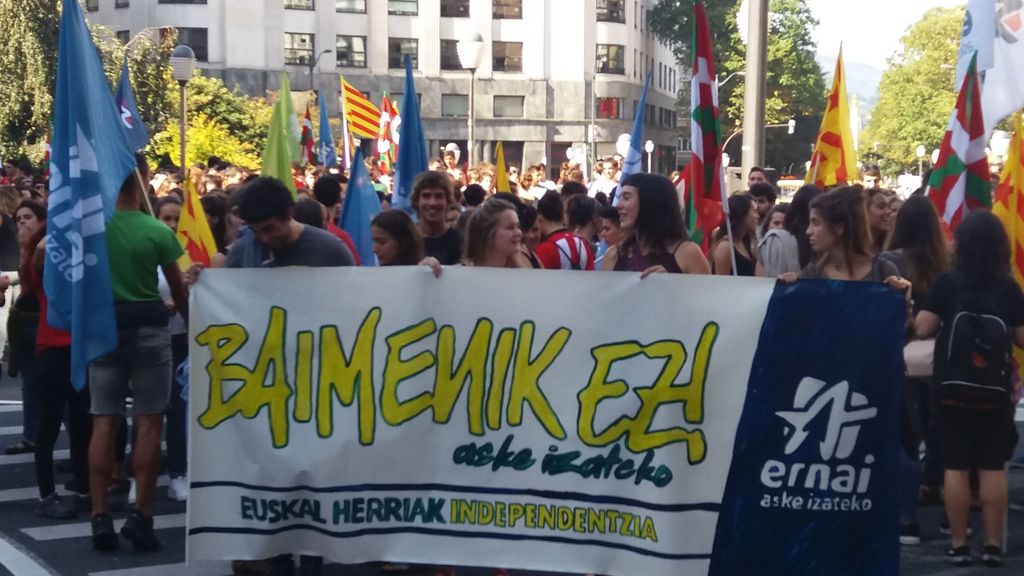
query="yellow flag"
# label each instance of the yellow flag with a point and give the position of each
(194, 232)
(500, 173)
(1008, 206)
(834, 160)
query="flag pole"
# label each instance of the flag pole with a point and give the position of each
(145, 194)
(732, 244)
(344, 129)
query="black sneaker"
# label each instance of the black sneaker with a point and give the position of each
(57, 507)
(944, 528)
(959, 556)
(103, 535)
(138, 529)
(910, 534)
(992, 555)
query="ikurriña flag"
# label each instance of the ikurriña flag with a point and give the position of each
(306, 140)
(834, 161)
(387, 134)
(91, 158)
(960, 180)
(706, 198)
(194, 231)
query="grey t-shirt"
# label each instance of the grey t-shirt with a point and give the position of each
(314, 247)
(880, 270)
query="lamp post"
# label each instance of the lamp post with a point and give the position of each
(183, 64)
(312, 69)
(649, 148)
(920, 159)
(470, 50)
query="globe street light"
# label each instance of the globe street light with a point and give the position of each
(183, 65)
(470, 50)
(920, 159)
(649, 148)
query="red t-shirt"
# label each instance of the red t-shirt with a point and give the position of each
(48, 336)
(563, 250)
(344, 237)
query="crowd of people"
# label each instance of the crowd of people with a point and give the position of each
(856, 233)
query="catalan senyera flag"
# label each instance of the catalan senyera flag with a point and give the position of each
(194, 231)
(500, 174)
(387, 134)
(834, 160)
(1008, 206)
(362, 116)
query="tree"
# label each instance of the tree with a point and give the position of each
(28, 67)
(916, 95)
(795, 83)
(205, 137)
(217, 109)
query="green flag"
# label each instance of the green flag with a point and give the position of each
(277, 156)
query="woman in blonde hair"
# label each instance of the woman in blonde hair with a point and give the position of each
(493, 237)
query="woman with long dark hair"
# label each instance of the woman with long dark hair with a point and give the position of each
(655, 235)
(919, 250)
(798, 220)
(974, 386)
(743, 224)
(397, 241)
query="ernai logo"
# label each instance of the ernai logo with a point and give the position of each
(846, 412)
(832, 418)
(1010, 19)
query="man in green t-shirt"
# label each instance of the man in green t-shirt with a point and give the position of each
(137, 244)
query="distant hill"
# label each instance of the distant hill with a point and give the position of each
(861, 79)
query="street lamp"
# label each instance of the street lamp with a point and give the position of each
(183, 65)
(470, 50)
(312, 69)
(730, 77)
(649, 148)
(920, 159)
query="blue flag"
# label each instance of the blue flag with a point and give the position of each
(635, 157)
(361, 205)
(412, 151)
(91, 157)
(325, 155)
(130, 119)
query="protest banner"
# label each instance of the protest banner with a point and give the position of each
(578, 423)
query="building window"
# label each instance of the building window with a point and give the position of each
(396, 99)
(298, 48)
(611, 11)
(454, 105)
(300, 4)
(398, 48)
(196, 39)
(121, 3)
(609, 108)
(358, 6)
(507, 56)
(92, 5)
(351, 51)
(450, 55)
(182, 2)
(611, 59)
(455, 8)
(123, 36)
(403, 7)
(508, 10)
(508, 106)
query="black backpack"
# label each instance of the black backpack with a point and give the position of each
(573, 264)
(978, 350)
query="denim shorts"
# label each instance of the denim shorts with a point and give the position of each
(141, 364)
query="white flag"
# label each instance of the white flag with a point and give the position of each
(979, 34)
(1003, 90)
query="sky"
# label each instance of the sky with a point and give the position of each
(870, 30)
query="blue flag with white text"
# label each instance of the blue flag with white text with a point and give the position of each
(90, 159)
(138, 137)
(635, 157)
(412, 154)
(361, 205)
(325, 154)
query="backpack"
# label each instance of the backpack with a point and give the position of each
(573, 264)
(978, 350)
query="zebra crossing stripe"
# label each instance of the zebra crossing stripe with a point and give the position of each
(84, 529)
(21, 562)
(10, 408)
(16, 494)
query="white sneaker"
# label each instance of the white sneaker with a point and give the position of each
(178, 489)
(131, 493)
